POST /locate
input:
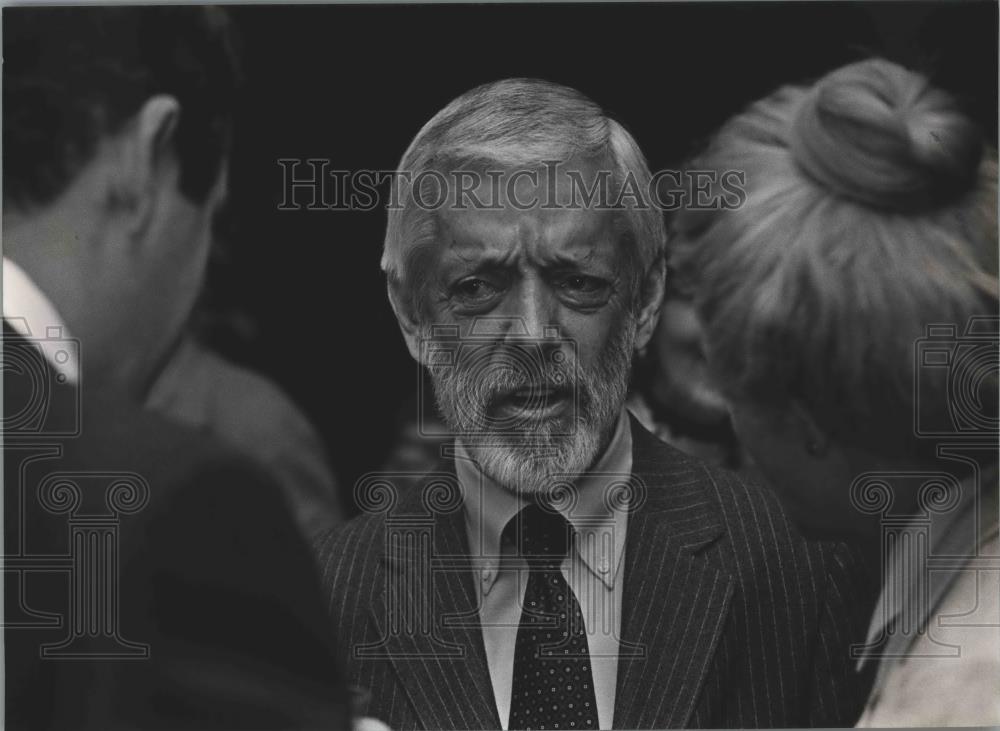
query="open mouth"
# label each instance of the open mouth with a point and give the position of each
(533, 401)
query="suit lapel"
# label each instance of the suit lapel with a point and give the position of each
(674, 601)
(427, 613)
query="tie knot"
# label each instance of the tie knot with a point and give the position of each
(541, 535)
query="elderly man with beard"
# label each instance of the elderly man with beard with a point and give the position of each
(562, 568)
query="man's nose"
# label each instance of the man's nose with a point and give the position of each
(536, 309)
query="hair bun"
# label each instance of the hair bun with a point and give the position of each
(880, 134)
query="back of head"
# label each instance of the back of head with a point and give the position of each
(74, 75)
(870, 215)
(879, 134)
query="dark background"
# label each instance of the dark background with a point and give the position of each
(299, 296)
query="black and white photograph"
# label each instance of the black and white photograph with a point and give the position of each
(502, 365)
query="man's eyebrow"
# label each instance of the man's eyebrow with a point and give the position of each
(562, 260)
(480, 260)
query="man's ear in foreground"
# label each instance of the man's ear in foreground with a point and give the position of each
(146, 167)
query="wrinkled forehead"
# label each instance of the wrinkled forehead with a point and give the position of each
(553, 210)
(582, 182)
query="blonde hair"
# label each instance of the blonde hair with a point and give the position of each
(871, 214)
(516, 123)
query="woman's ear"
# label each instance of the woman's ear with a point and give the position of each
(814, 438)
(409, 325)
(652, 289)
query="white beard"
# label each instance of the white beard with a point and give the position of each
(525, 462)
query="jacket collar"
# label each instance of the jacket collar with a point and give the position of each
(676, 598)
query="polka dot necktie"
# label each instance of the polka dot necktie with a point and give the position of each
(553, 687)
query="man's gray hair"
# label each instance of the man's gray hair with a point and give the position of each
(519, 123)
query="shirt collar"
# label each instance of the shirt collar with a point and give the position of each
(30, 313)
(599, 522)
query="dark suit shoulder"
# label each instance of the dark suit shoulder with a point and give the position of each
(112, 428)
(406, 497)
(208, 555)
(755, 535)
(349, 557)
(363, 532)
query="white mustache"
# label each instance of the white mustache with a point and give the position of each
(490, 392)
(467, 397)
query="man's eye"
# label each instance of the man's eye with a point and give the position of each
(582, 284)
(474, 289)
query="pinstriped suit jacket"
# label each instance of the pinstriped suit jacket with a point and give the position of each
(730, 619)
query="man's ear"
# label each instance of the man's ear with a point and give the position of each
(652, 289)
(147, 162)
(408, 324)
(815, 439)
